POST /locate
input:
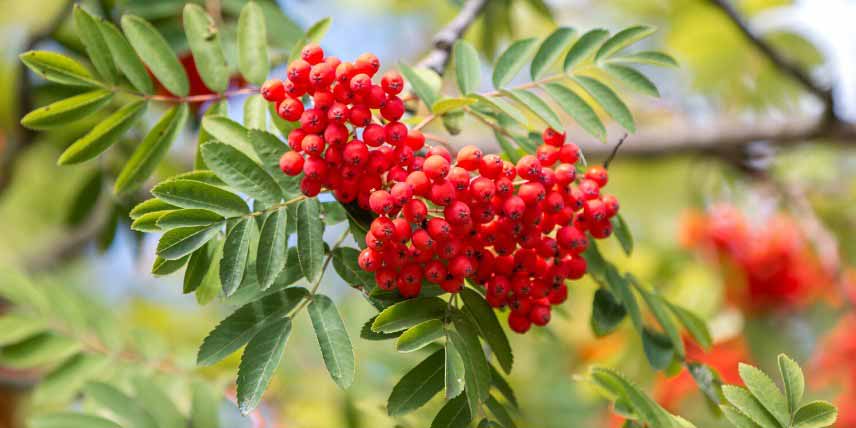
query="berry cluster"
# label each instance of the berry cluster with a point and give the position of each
(516, 229)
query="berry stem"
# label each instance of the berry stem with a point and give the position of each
(276, 207)
(614, 152)
(487, 122)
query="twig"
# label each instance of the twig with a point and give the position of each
(614, 152)
(446, 37)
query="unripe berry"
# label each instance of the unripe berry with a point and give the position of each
(291, 163)
(469, 158)
(290, 109)
(436, 167)
(552, 137)
(392, 82)
(273, 90)
(415, 211)
(381, 202)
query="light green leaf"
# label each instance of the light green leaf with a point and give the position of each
(259, 361)
(269, 149)
(241, 172)
(584, 47)
(550, 50)
(58, 68)
(156, 53)
(204, 405)
(235, 252)
(150, 206)
(162, 266)
(273, 246)
(467, 66)
(577, 108)
(66, 111)
(126, 409)
(317, 30)
(423, 89)
(310, 238)
(512, 60)
(203, 37)
(148, 222)
(694, 325)
(418, 386)
(792, 378)
(228, 131)
(14, 328)
(160, 405)
(65, 381)
(217, 108)
(766, 391)
(125, 58)
(333, 339)
(188, 217)
(739, 420)
(648, 57)
(633, 79)
(610, 102)
(454, 414)
(408, 313)
(816, 414)
(149, 153)
(69, 419)
(96, 46)
(749, 406)
(242, 325)
(39, 350)
(488, 325)
(255, 112)
(181, 241)
(420, 336)
(536, 105)
(103, 135)
(252, 44)
(455, 370)
(622, 232)
(446, 105)
(499, 105)
(617, 386)
(196, 194)
(622, 39)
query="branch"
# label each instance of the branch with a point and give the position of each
(784, 64)
(438, 57)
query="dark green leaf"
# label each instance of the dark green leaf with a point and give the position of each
(37, 351)
(512, 61)
(607, 312)
(500, 413)
(66, 111)
(420, 336)
(455, 369)
(489, 327)
(203, 37)
(658, 349)
(240, 172)
(198, 267)
(188, 217)
(623, 39)
(103, 135)
(476, 369)
(195, 194)
(259, 361)
(310, 238)
(333, 339)
(550, 51)
(658, 308)
(694, 325)
(228, 131)
(622, 232)
(610, 102)
(454, 414)
(181, 241)
(345, 263)
(235, 252)
(162, 266)
(273, 246)
(96, 46)
(85, 199)
(408, 313)
(584, 47)
(269, 149)
(367, 333)
(577, 108)
(149, 153)
(156, 53)
(418, 386)
(252, 44)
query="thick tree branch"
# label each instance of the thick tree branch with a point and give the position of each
(446, 37)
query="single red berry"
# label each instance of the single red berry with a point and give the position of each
(601, 229)
(295, 139)
(611, 204)
(344, 72)
(323, 100)
(415, 211)
(423, 240)
(457, 213)
(273, 90)
(547, 155)
(540, 315)
(392, 82)
(482, 189)
(369, 260)
(401, 193)
(590, 189)
(298, 72)
(574, 266)
(565, 174)
(290, 109)
(395, 132)
(519, 323)
(420, 183)
(513, 207)
(374, 135)
(291, 163)
(553, 138)
(361, 84)
(408, 289)
(360, 115)
(571, 238)
(461, 266)
(597, 174)
(367, 63)
(332, 61)
(490, 166)
(355, 153)
(321, 75)
(385, 279)
(558, 294)
(376, 97)
(381, 202)
(382, 228)
(569, 153)
(469, 158)
(415, 140)
(393, 109)
(313, 121)
(532, 192)
(295, 90)
(403, 233)
(336, 134)
(312, 144)
(312, 53)
(439, 229)
(529, 167)
(310, 187)
(435, 271)
(452, 285)
(314, 168)
(436, 167)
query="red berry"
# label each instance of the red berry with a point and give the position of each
(435, 271)
(298, 72)
(532, 192)
(323, 100)
(361, 84)
(490, 166)
(314, 168)
(312, 144)
(374, 135)
(355, 153)
(540, 315)
(420, 183)
(376, 97)
(482, 189)
(392, 82)
(547, 155)
(381, 202)
(439, 229)
(403, 232)
(436, 167)
(415, 139)
(415, 211)
(469, 158)
(382, 228)
(273, 90)
(590, 189)
(423, 240)
(519, 323)
(452, 285)
(552, 137)
(457, 213)
(385, 279)
(461, 266)
(367, 63)
(442, 192)
(290, 109)
(312, 53)
(344, 72)
(401, 193)
(369, 260)
(597, 174)
(558, 294)
(513, 207)
(572, 239)
(310, 187)
(295, 139)
(529, 167)
(395, 132)
(393, 109)
(336, 134)
(569, 153)
(291, 163)
(313, 121)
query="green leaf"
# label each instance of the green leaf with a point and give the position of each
(178, 242)
(240, 172)
(455, 370)
(418, 386)
(155, 52)
(739, 420)
(633, 79)
(610, 102)
(658, 307)
(584, 47)
(149, 153)
(269, 149)
(242, 325)
(577, 108)
(152, 398)
(126, 409)
(317, 30)
(69, 419)
(203, 37)
(216, 109)
(67, 111)
(766, 391)
(125, 58)
(228, 131)
(648, 411)
(420, 336)
(408, 313)
(85, 198)
(188, 217)
(512, 60)
(103, 135)
(792, 378)
(14, 328)
(367, 333)
(198, 267)
(423, 89)
(58, 68)
(622, 39)
(467, 66)
(816, 414)
(749, 406)
(658, 349)
(345, 264)
(204, 405)
(259, 361)
(273, 246)
(235, 252)
(708, 381)
(476, 369)
(39, 350)
(648, 57)
(622, 290)
(252, 44)
(622, 232)
(536, 105)
(488, 325)
(255, 112)
(96, 47)
(446, 105)
(607, 312)
(500, 413)
(694, 325)
(454, 414)
(210, 286)
(502, 386)
(66, 380)
(196, 194)
(150, 206)
(499, 105)
(550, 50)
(310, 238)
(162, 266)
(509, 148)
(333, 339)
